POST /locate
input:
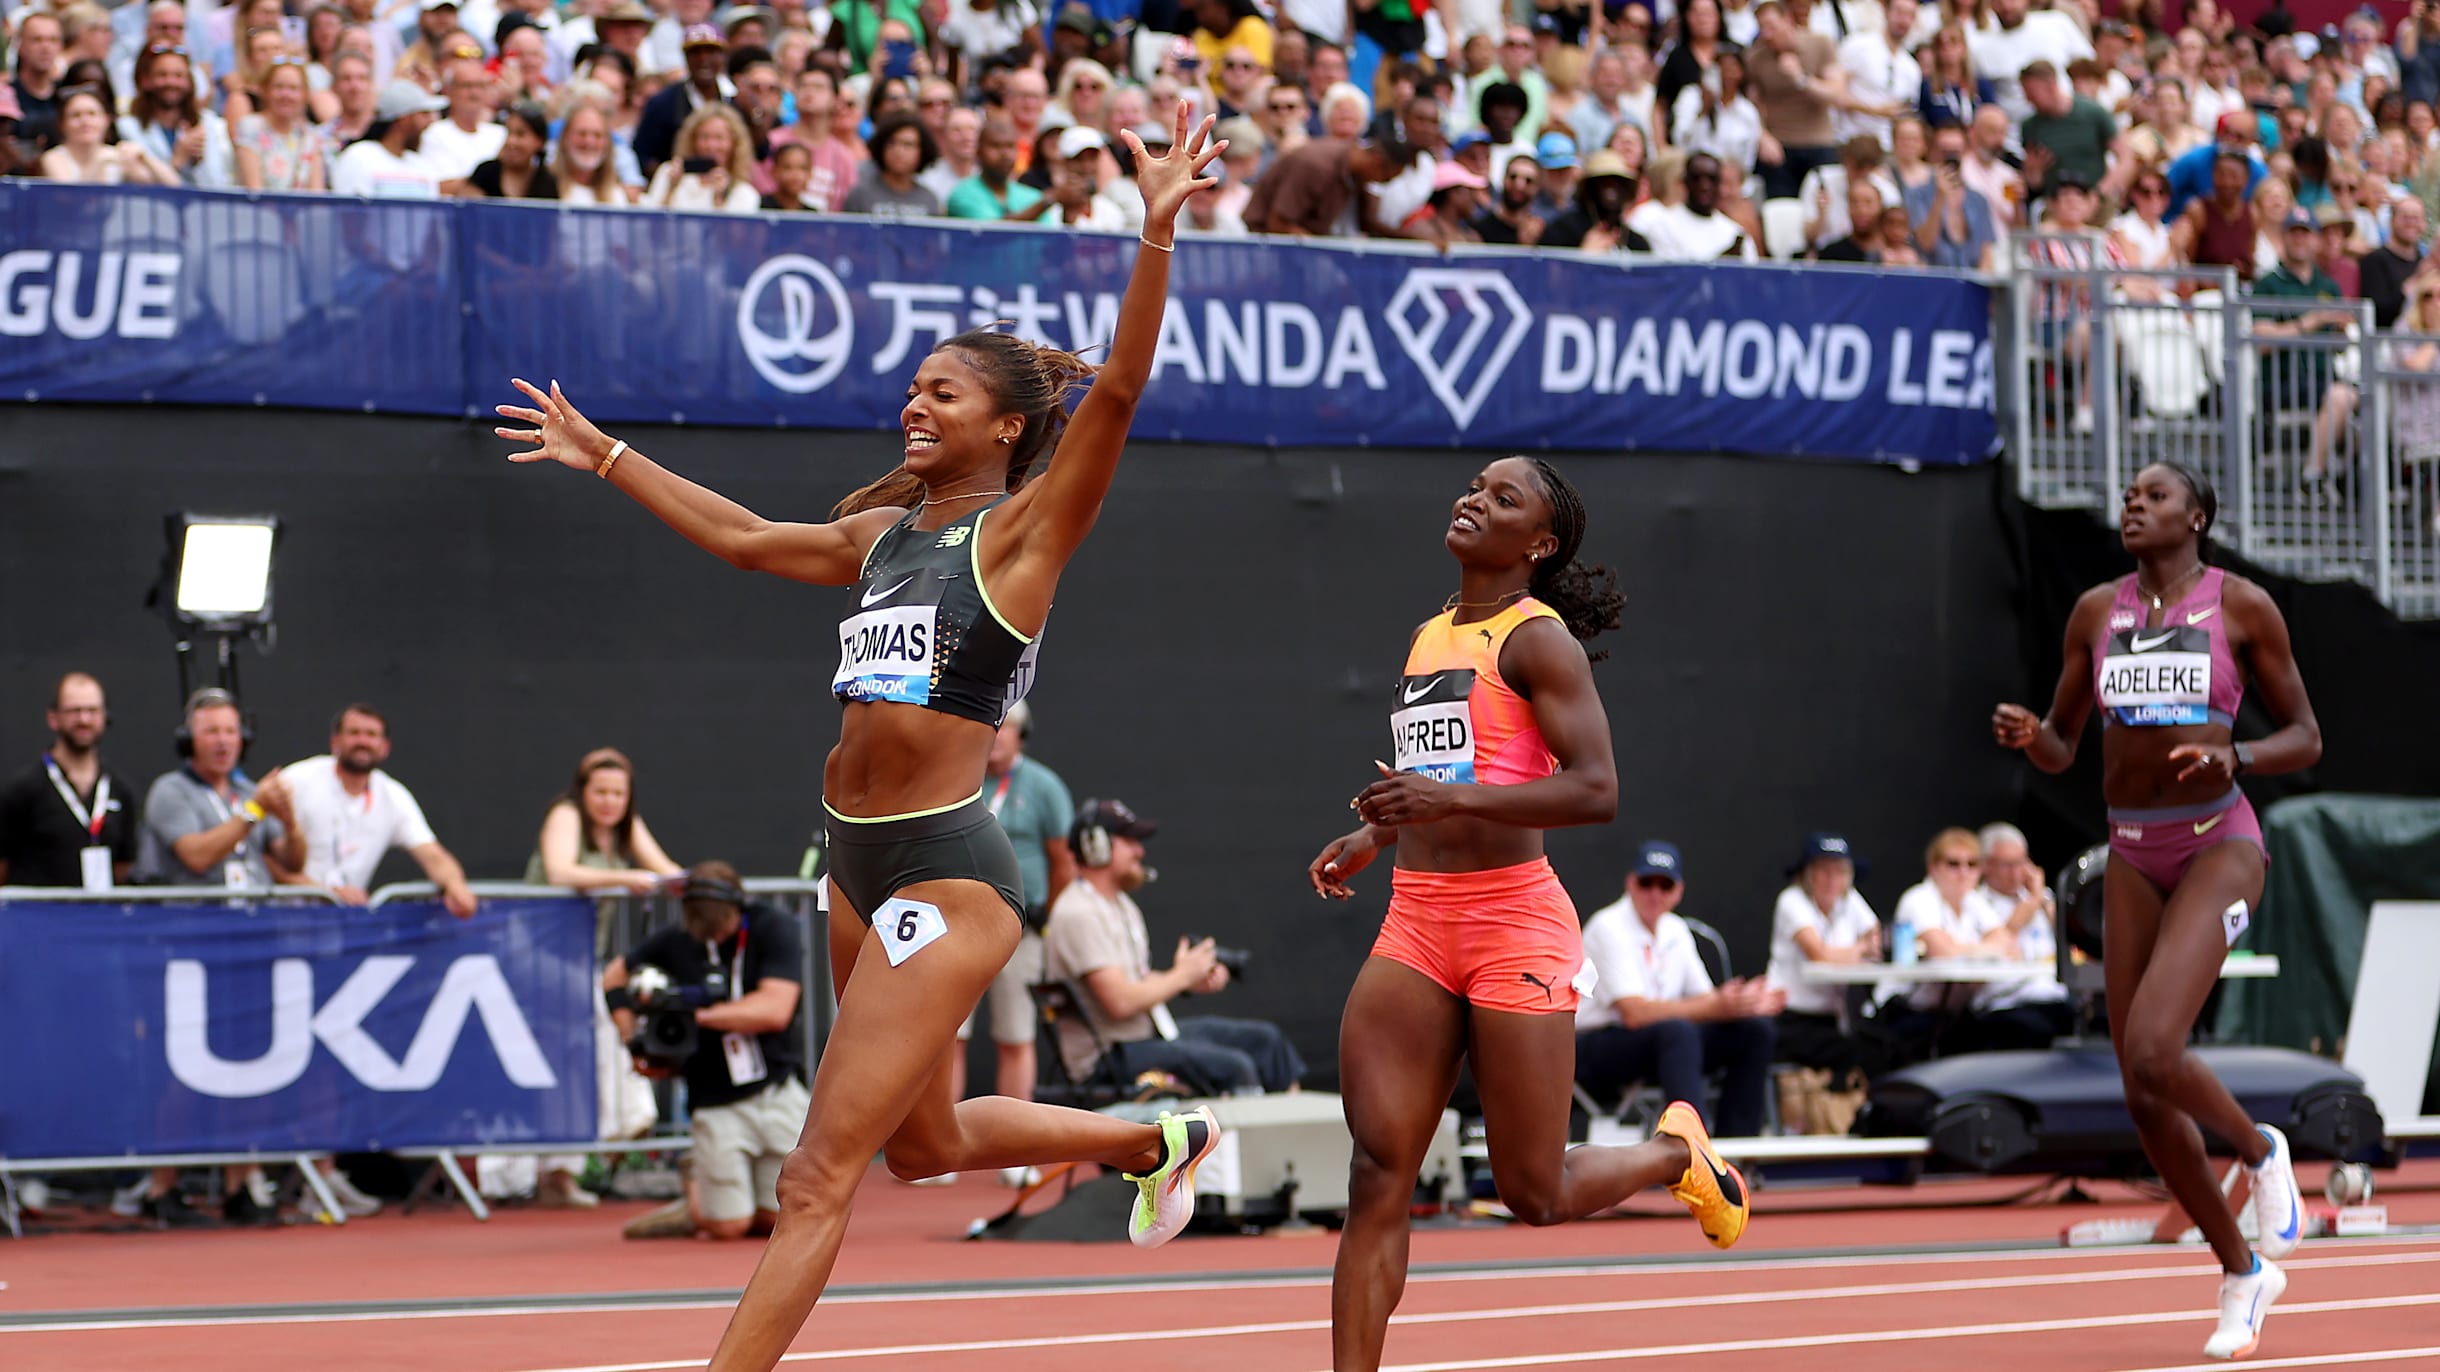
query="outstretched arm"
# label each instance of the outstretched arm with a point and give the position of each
(823, 554)
(1053, 515)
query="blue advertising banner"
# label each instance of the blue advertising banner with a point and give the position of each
(169, 1028)
(819, 322)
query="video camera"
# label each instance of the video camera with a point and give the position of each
(665, 1031)
(1234, 959)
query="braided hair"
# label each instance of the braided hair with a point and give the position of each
(1022, 378)
(1586, 595)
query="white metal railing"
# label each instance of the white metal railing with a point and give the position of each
(2116, 368)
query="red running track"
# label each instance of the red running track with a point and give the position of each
(1631, 1293)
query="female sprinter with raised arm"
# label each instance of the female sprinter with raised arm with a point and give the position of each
(955, 557)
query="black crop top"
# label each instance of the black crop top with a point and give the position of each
(923, 630)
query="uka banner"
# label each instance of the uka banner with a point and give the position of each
(168, 1028)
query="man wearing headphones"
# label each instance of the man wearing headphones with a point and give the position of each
(1098, 942)
(208, 823)
(745, 1081)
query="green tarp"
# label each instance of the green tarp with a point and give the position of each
(2332, 856)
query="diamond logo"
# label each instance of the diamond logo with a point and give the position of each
(1421, 317)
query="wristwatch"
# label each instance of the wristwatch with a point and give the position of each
(249, 811)
(2244, 755)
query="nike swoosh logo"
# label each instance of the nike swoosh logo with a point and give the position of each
(2141, 645)
(872, 598)
(2200, 615)
(2208, 825)
(1415, 693)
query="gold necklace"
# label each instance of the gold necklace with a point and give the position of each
(2157, 596)
(1453, 603)
(953, 499)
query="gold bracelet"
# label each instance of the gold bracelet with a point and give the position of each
(616, 450)
(1164, 247)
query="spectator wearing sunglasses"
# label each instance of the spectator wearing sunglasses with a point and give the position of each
(1949, 916)
(1654, 1014)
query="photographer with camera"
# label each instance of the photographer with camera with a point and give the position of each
(1098, 942)
(715, 1002)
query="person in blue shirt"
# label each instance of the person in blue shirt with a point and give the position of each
(2190, 173)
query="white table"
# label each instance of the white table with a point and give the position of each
(2239, 966)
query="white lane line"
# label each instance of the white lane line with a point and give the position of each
(2183, 1266)
(1451, 1317)
(2323, 1360)
(1954, 1331)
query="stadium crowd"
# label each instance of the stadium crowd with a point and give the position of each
(1884, 131)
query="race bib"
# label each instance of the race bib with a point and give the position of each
(886, 654)
(2157, 676)
(907, 927)
(1431, 725)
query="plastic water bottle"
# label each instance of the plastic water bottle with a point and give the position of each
(1902, 941)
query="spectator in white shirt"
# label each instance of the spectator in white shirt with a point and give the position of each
(351, 813)
(470, 136)
(1883, 78)
(1653, 1013)
(1820, 918)
(2017, 37)
(385, 164)
(1695, 231)
(1947, 918)
(2030, 1013)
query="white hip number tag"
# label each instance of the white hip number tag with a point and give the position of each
(745, 1056)
(2234, 921)
(907, 927)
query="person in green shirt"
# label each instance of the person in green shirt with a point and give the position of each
(993, 192)
(2302, 379)
(2068, 133)
(1034, 809)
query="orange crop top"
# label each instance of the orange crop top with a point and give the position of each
(1453, 719)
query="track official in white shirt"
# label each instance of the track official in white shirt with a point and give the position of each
(1654, 1015)
(351, 813)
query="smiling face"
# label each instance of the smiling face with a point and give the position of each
(284, 93)
(586, 139)
(83, 121)
(1503, 519)
(607, 794)
(953, 425)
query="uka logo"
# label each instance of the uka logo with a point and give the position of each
(472, 985)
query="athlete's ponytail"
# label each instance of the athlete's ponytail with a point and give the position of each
(1585, 595)
(1023, 378)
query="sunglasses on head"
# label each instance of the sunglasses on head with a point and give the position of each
(165, 50)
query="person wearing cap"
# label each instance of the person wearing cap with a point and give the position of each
(1555, 154)
(2306, 380)
(2336, 222)
(1653, 1013)
(2193, 175)
(424, 61)
(1077, 158)
(385, 164)
(1598, 221)
(621, 28)
(1312, 191)
(2069, 133)
(1097, 943)
(1446, 216)
(1819, 917)
(1472, 150)
(706, 83)
(740, 964)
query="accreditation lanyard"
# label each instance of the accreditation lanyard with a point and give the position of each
(737, 963)
(742, 1052)
(999, 794)
(101, 798)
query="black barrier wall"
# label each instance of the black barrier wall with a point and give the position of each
(1806, 646)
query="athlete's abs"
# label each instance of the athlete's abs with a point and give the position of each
(902, 759)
